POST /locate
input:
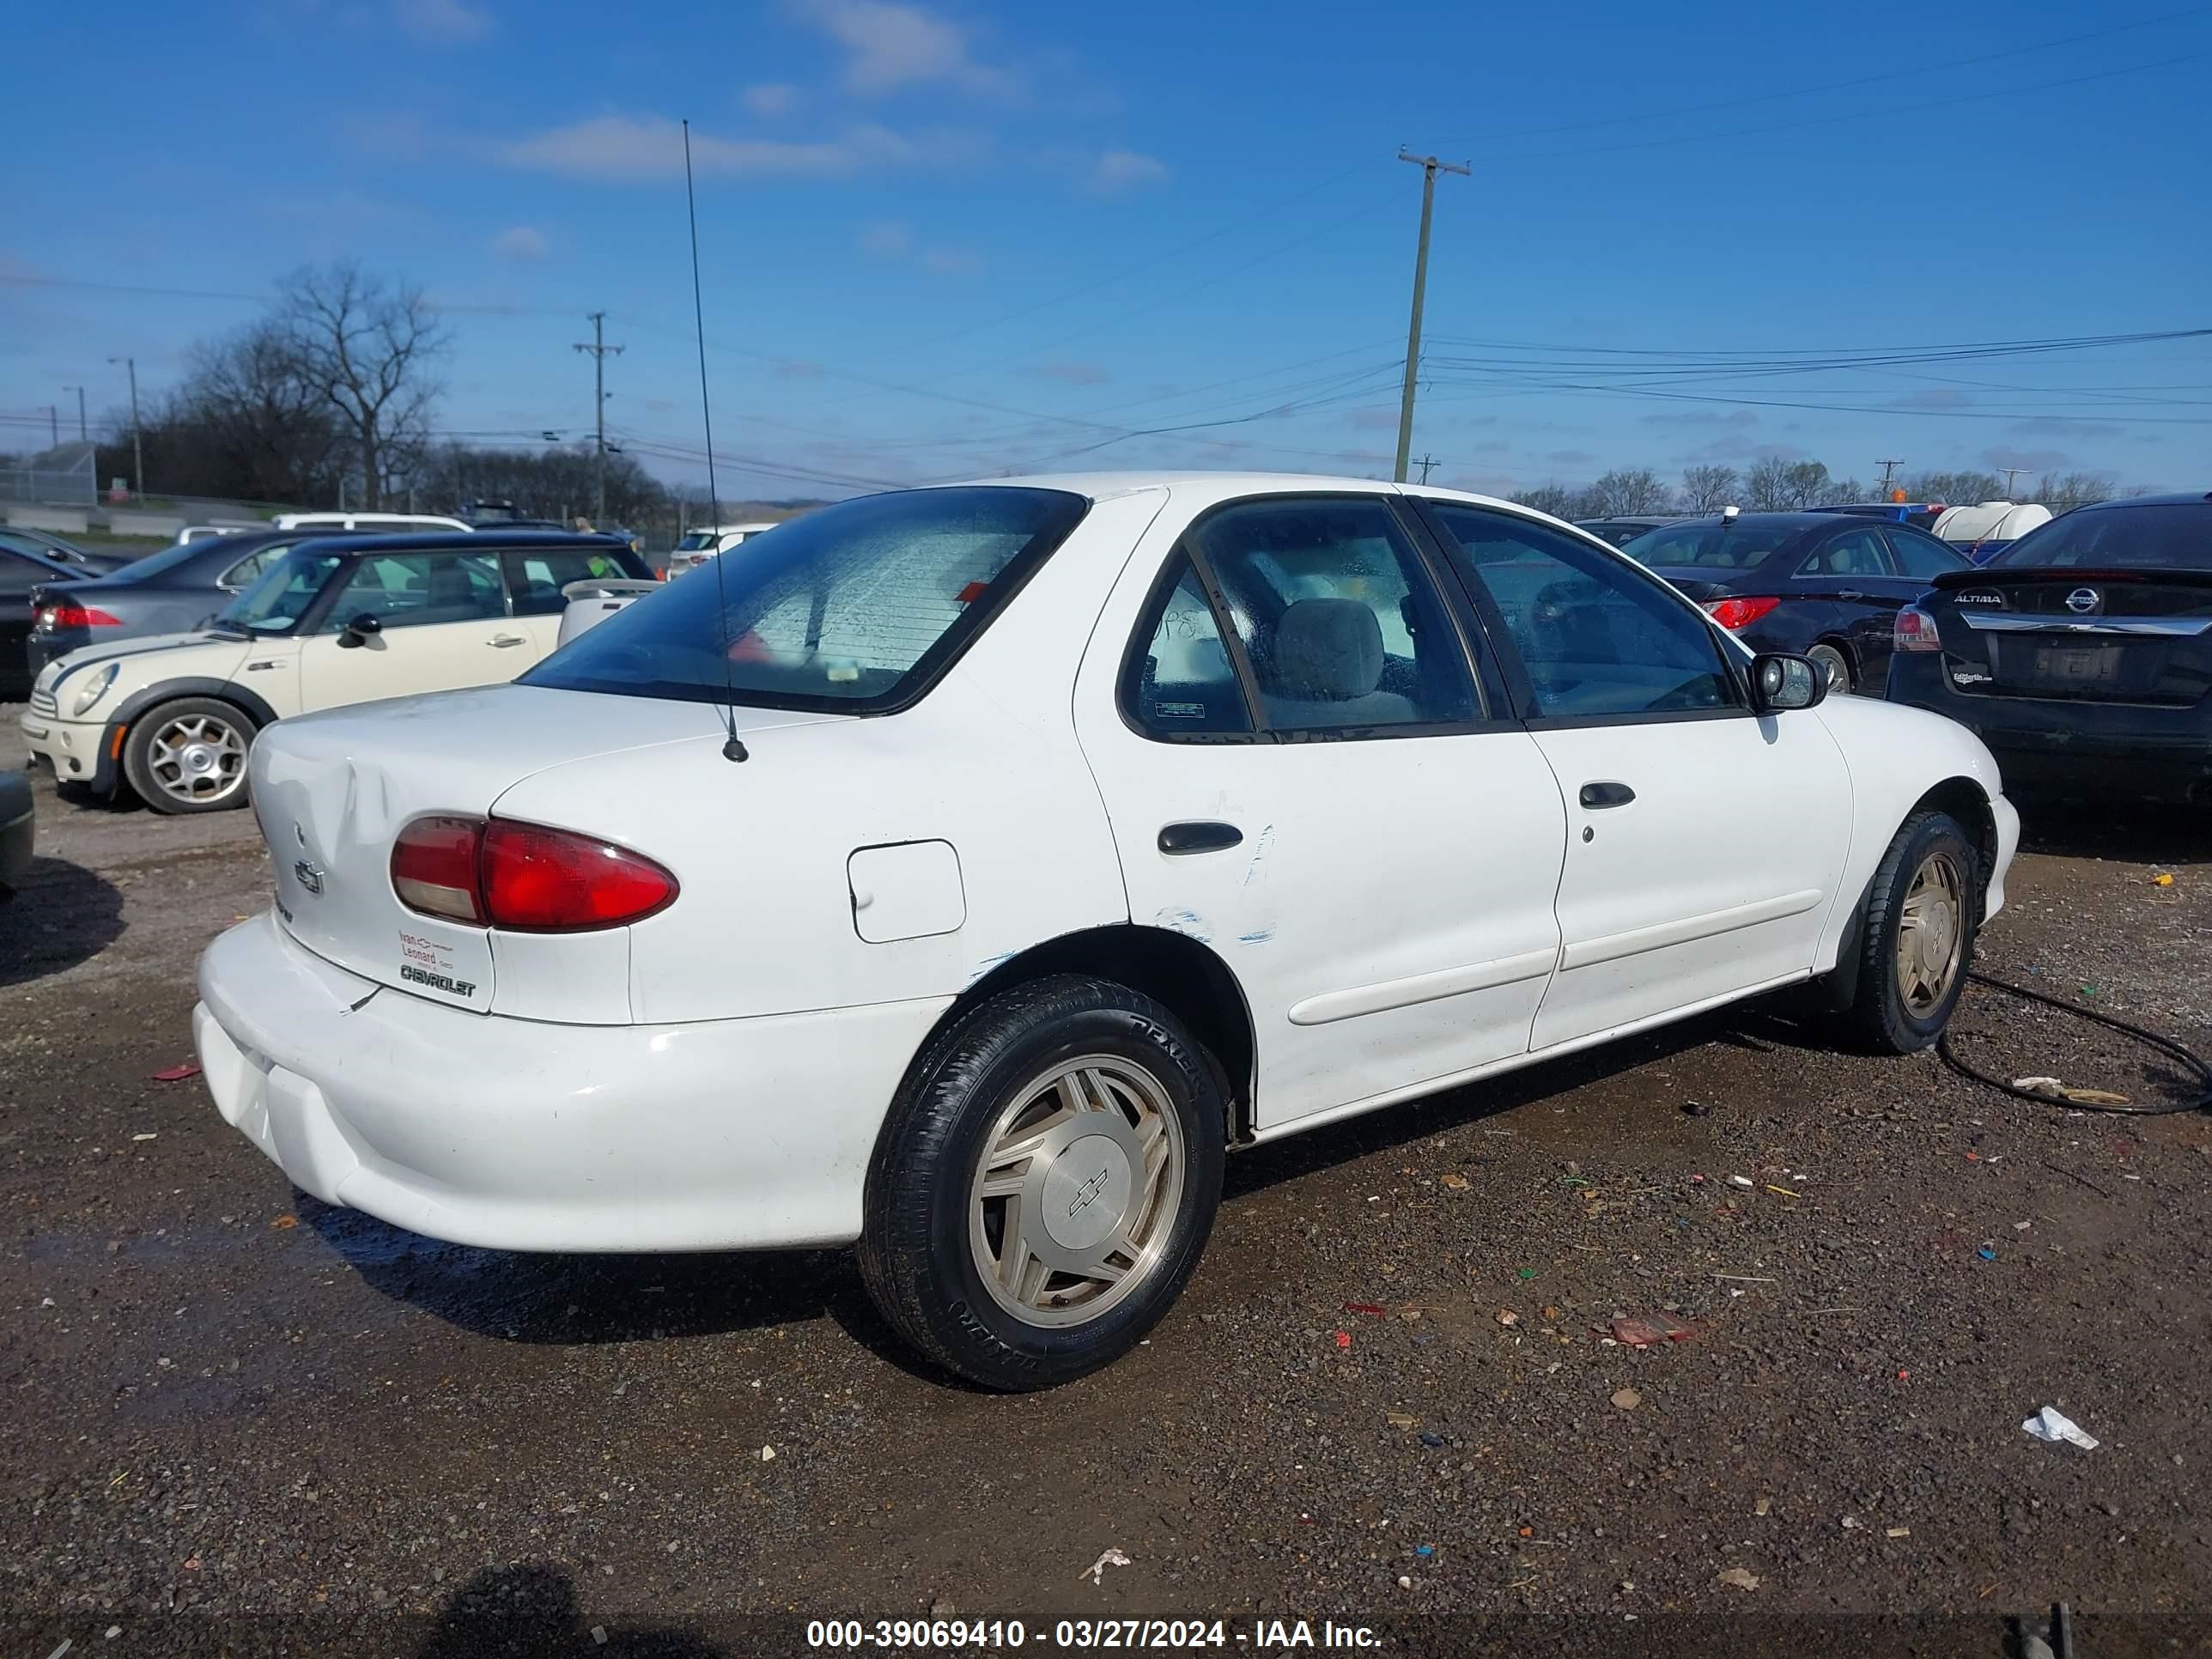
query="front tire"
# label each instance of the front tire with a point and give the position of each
(1917, 937)
(1835, 666)
(1044, 1184)
(189, 756)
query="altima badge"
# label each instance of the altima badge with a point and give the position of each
(310, 877)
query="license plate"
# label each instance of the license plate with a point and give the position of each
(2076, 666)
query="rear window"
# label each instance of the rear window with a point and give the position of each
(857, 607)
(1710, 546)
(2174, 537)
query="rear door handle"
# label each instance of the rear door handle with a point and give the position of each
(508, 639)
(1204, 836)
(1851, 593)
(1596, 796)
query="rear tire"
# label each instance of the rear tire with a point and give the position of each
(1044, 1184)
(1835, 666)
(190, 756)
(1917, 936)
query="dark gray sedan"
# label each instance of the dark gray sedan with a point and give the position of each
(15, 827)
(54, 550)
(172, 591)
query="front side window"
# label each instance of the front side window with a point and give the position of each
(418, 590)
(281, 594)
(1336, 616)
(1183, 681)
(855, 607)
(1596, 636)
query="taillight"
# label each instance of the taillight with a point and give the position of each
(554, 881)
(1915, 630)
(523, 876)
(1736, 614)
(433, 868)
(76, 615)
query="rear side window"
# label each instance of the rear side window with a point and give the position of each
(1183, 682)
(535, 576)
(418, 590)
(1856, 552)
(1336, 616)
(856, 607)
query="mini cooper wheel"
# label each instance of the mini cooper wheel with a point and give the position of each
(189, 756)
(1917, 937)
(1044, 1184)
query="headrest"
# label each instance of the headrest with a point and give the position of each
(1328, 650)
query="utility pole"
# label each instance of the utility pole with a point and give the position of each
(137, 445)
(2011, 473)
(1888, 472)
(1430, 167)
(53, 425)
(1426, 462)
(599, 349)
(82, 436)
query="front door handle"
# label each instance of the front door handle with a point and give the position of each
(1202, 836)
(1596, 796)
(508, 639)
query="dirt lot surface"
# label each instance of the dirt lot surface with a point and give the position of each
(237, 1419)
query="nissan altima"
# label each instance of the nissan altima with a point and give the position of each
(965, 873)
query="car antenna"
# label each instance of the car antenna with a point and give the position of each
(734, 748)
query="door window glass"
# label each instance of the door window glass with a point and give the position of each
(536, 575)
(1337, 615)
(1856, 552)
(1923, 557)
(1595, 634)
(1184, 681)
(415, 590)
(17, 575)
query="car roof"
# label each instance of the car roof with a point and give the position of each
(1810, 519)
(2177, 498)
(461, 541)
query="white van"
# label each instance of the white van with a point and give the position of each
(335, 522)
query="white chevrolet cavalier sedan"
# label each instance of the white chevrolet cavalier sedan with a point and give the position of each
(1086, 829)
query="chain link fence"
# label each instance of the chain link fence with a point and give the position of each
(63, 476)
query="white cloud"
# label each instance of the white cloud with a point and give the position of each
(519, 242)
(770, 101)
(1118, 170)
(887, 240)
(950, 261)
(617, 149)
(890, 44)
(451, 22)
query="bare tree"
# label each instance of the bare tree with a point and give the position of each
(1556, 500)
(245, 421)
(1766, 484)
(2061, 490)
(1628, 490)
(370, 353)
(1708, 489)
(1956, 489)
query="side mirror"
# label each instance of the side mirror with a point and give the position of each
(1782, 681)
(355, 633)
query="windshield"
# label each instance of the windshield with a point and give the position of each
(275, 604)
(2175, 537)
(856, 607)
(1710, 546)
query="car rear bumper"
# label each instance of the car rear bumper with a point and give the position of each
(2057, 746)
(78, 751)
(518, 1134)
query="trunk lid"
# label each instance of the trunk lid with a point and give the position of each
(332, 790)
(2106, 636)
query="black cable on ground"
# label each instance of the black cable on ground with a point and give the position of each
(2165, 1045)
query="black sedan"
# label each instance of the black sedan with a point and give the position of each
(171, 591)
(1819, 584)
(79, 561)
(23, 576)
(18, 827)
(1625, 528)
(2081, 654)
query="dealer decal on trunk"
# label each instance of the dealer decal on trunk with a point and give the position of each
(430, 963)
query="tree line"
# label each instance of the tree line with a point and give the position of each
(1774, 485)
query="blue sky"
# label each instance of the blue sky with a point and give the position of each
(945, 238)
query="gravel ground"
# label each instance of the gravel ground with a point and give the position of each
(237, 1418)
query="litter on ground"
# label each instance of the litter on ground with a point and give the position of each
(2054, 1425)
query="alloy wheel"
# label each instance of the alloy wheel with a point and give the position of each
(197, 758)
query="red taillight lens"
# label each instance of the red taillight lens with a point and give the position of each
(1733, 614)
(553, 880)
(433, 868)
(523, 876)
(1915, 630)
(78, 616)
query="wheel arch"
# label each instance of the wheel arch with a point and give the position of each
(1963, 798)
(139, 704)
(1185, 977)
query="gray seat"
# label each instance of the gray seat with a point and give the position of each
(1328, 662)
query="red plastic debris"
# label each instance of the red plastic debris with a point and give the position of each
(176, 1073)
(1344, 1338)
(1372, 1310)
(1649, 1331)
